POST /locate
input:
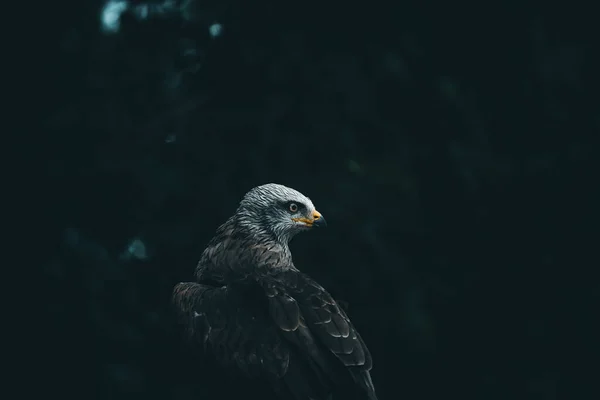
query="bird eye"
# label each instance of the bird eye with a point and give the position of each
(293, 207)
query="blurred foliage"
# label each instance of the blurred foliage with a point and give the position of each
(450, 148)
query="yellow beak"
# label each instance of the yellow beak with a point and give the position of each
(316, 220)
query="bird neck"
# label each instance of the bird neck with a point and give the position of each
(257, 231)
(256, 236)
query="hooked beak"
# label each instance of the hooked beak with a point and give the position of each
(317, 220)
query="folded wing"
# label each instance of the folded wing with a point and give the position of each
(313, 320)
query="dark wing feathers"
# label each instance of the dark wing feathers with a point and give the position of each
(314, 322)
(236, 335)
(284, 310)
(329, 323)
(299, 338)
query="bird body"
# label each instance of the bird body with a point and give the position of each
(259, 313)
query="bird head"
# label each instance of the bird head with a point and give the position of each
(278, 210)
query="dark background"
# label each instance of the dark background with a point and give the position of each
(450, 147)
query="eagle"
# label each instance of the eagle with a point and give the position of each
(257, 312)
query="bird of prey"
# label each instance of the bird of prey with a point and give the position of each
(259, 313)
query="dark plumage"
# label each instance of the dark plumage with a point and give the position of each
(256, 311)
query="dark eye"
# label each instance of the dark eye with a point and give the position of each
(293, 207)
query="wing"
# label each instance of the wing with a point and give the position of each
(238, 333)
(312, 319)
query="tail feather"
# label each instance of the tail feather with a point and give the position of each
(363, 379)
